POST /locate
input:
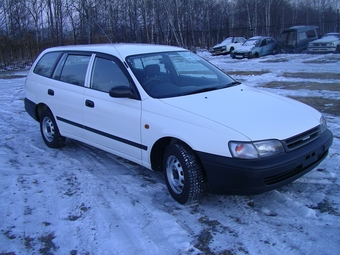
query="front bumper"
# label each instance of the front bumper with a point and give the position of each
(321, 49)
(219, 51)
(241, 55)
(254, 176)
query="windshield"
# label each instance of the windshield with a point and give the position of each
(250, 42)
(227, 41)
(170, 74)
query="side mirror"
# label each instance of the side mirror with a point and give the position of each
(121, 92)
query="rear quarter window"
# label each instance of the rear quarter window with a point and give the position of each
(47, 63)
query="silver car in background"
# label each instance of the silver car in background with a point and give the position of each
(330, 42)
(227, 45)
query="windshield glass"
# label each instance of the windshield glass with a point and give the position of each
(170, 74)
(250, 42)
(227, 41)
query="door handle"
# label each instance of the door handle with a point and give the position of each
(89, 103)
(50, 92)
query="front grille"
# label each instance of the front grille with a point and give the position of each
(302, 139)
(284, 176)
(296, 171)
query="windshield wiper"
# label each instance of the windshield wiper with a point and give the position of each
(203, 90)
(234, 83)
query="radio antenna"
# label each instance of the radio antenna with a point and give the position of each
(95, 23)
(101, 29)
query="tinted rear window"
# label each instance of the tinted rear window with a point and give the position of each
(46, 64)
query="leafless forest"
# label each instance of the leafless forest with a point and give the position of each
(29, 26)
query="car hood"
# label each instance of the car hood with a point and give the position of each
(220, 45)
(251, 112)
(326, 39)
(244, 48)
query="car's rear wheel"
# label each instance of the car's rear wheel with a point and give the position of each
(50, 131)
(183, 173)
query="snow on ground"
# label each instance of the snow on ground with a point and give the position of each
(81, 200)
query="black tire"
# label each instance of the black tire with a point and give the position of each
(50, 131)
(183, 173)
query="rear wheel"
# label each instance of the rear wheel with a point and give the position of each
(49, 130)
(183, 173)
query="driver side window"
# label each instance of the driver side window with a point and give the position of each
(107, 74)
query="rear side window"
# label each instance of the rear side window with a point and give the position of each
(289, 36)
(74, 69)
(47, 63)
(311, 34)
(307, 34)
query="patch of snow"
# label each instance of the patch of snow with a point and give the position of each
(81, 200)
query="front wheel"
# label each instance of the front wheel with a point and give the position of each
(183, 173)
(49, 130)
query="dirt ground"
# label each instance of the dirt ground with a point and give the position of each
(325, 105)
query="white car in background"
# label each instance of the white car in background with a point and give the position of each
(227, 46)
(330, 42)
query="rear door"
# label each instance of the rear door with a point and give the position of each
(65, 92)
(112, 124)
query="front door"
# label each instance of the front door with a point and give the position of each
(112, 124)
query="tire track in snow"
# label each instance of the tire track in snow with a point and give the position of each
(140, 223)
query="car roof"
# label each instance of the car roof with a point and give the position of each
(300, 28)
(259, 37)
(124, 49)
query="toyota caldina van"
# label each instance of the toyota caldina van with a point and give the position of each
(169, 110)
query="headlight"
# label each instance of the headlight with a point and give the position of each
(258, 149)
(323, 124)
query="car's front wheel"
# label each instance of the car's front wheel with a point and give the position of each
(183, 173)
(49, 130)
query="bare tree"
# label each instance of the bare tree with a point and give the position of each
(36, 8)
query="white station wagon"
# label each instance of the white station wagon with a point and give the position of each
(169, 110)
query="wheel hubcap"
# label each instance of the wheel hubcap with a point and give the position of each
(48, 129)
(175, 174)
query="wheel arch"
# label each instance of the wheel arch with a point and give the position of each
(39, 110)
(157, 151)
